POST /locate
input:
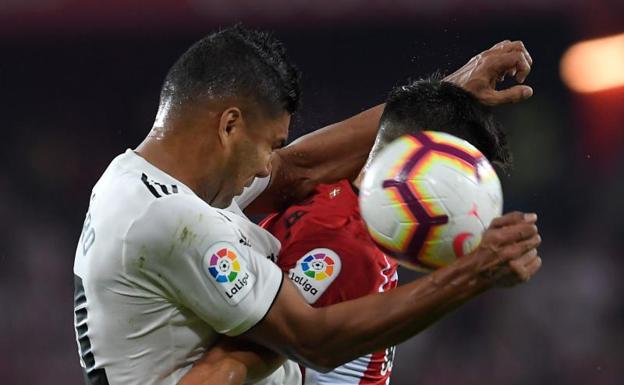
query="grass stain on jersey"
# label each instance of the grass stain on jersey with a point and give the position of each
(170, 251)
(187, 236)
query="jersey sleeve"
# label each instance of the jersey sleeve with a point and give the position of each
(312, 271)
(250, 193)
(328, 269)
(192, 256)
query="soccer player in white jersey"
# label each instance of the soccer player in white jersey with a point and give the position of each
(162, 269)
(329, 223)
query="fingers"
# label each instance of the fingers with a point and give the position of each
(498, 65)
(526, 266)
(513, 94)
(509, 46)
(513, 59)
(533, 266)
(509, 248)
(481, 74)
(519, 46)
(510, 241)
(512, 235)
(519, 250)
(513, 218)
(523, 66)
(524, 259)
(500, 44)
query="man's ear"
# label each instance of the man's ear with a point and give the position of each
(230, 124)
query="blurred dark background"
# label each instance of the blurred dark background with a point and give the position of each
(79, 83)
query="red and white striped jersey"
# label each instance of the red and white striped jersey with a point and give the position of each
(328, 254)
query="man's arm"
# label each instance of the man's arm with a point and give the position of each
(329, 154)
(231, 359)
(324, 338)
(340, 150)
(233, 362)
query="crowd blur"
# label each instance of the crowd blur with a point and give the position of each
(69, 103)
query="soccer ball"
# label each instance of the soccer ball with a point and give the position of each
(427, 198)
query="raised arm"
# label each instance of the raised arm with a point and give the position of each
(329, 154)
(340, 150)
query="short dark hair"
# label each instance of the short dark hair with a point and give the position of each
(434, 105)
(235, 62)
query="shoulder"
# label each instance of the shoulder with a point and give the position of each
(314, 271)
(180, 216)
(169, 240)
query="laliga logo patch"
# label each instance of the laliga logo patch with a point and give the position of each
(228, 272)
(224, 265)
(318, 266)
(314, 272)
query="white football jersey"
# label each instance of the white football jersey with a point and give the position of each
(159, 274)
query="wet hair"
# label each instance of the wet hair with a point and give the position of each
(234, 63)
(434, 105)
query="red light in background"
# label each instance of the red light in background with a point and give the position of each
(594, 65)
(594, 69)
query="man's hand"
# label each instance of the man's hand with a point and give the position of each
(507, 254)
(320, 156)
(480, 75)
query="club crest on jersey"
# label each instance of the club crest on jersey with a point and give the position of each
(314, 272)
(228, 272)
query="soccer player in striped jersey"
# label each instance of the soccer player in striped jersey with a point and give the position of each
(326, 250)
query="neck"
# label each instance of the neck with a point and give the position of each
(181, 155)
